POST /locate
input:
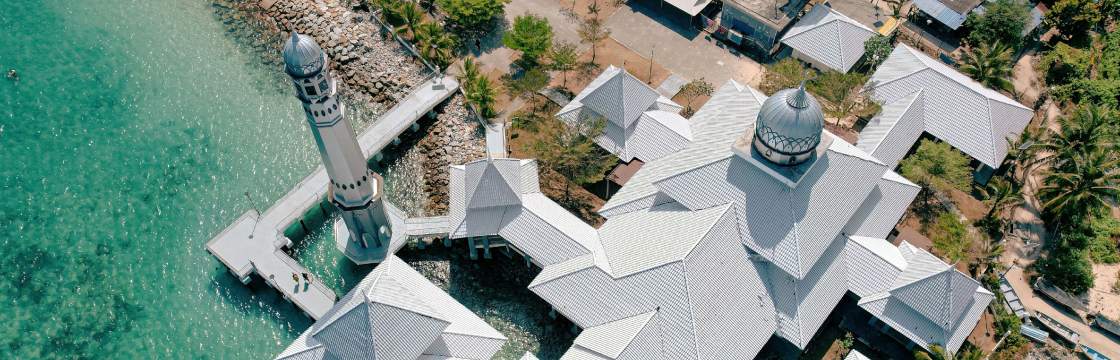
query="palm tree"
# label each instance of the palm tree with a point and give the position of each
(410, 16)
(468, 72)
(1091, 128)
(989, 65)
(435, 44)
(936, 352)
(482, 95)
(1022, 153)
(1001, 195)
(896, 7)
(1087, 181)
(987, 256)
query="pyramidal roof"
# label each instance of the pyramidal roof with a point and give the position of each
(934, 289)
(494, 182)
(612, 338)
(829, 37)
(620, 97)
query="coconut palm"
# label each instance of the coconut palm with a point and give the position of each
(411, 16)
(1086, 181)
(1001, 195)
(482, 95)
(435, 44)
(987, 256)
(989, 65)
(1091, 128)
(1023, 153)
(468, 72)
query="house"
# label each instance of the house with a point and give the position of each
(951, 13)
(922, 95)
(641, 123)
(758, 23)
(396, 313)
(828, 40)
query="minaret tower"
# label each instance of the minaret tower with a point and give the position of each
(354, 188)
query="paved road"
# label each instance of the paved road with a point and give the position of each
(680, 49)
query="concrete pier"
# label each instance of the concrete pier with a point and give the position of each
(253, 243)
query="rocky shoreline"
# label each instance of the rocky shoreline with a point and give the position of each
(374, 73)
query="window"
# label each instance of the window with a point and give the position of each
(310, 90)
(323, 86)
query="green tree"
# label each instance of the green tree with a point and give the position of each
(784, 74)
(1074, 18)
(482, 95)
(989, 65)
(843, 94)
(592, 31)
(435, 44)
(531, 35)
(876, 50)
(471, 16)
(468, 72)
(1103, 247)
(1064, 64)
(1001, 196)
(896, 7)
(1087, 182)
(1068, 268)
(527, 82)
(692, 90)
(1002, 22)
(570, 150)
(411, 16)
(563, 57)
(937, 166)
(950, 237)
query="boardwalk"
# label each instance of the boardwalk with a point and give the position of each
(253, 243)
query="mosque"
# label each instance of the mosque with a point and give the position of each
(756, 225)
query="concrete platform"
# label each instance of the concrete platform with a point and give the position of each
(253, 243)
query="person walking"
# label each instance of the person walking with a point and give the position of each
(307, 278)
(295, 277)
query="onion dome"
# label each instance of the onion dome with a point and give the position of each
(302, 56)
(789, 126)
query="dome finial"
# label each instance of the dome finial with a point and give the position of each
(798, 98)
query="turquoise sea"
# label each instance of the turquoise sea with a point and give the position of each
(131, 137)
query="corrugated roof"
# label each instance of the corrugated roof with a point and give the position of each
(621, 98)
(627, 238)
(829, 37)
(958, 110)
(952, 13)
(612, 338)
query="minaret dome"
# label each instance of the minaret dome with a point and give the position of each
(302, 56)
(789, 126)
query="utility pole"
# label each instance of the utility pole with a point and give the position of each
(254, 206)
(649, 78)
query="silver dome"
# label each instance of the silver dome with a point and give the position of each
(790, 122)
(302, 56)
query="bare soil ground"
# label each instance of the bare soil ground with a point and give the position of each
(610, 52)
(1103, 298)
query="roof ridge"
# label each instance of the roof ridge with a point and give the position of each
(919, 96)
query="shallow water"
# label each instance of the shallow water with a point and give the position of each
(130, 140)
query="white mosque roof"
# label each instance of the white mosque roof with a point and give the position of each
(855, 355)
(522, 215)
(641, 123)
(954, 108)
(829, 37)
(395, 313)
(929, 301)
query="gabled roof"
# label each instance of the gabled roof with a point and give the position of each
(929, 302)
(395, 313)
(891, 133)
(956, 109)
(829, 37)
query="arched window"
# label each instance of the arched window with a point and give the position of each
(323, 86)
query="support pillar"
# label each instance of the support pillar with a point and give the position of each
(414, 127)
(473, 250)
(486, 248)
(447, 241)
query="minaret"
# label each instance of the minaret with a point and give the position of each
(354, 188)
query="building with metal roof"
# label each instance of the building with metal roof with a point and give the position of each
(920, 94)
(396, 313)
(827, 39)
(917, 294)
(951, 13)
(641, 123)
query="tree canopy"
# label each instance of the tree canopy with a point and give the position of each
(570, 149)
(938, 165)
(990, 64)
(843, 94)
(531, 35)
(1074, 18)
(1003, 21)
(876, 50)
(563, 57)
(784, 74)
(950, 237)
(471, 16)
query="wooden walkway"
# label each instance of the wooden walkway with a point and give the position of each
(253, 243)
